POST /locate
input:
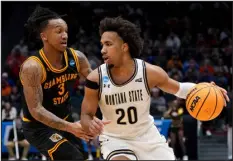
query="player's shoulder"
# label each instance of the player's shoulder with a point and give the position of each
(94, 76)
(31, 64)
(77, 52)
(153, 70)
(152, 67)
(32, 68)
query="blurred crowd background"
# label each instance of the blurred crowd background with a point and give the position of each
(192, 41)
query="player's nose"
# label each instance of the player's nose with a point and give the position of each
(64, 36)
(103, 51)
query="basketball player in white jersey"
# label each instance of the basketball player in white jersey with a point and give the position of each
(121, 87)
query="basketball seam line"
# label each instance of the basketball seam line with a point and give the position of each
(203, 103)
(215, 104)
(194, 94)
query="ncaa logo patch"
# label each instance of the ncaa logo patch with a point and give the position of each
(72, 62)
(55, 137)
(105, 79)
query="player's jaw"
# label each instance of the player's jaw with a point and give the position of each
(61, 45)
(106, 59)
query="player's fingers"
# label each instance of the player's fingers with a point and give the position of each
(226, 97)
(212, 83)
(220, 88)
(225, 103)
(106, 122)
(84, 138)
(88, 136)
(223, 90)
(99, 122)
(95, 124)
(84, 133)
(94, 128)
(81, 134)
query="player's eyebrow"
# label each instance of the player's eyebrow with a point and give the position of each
(104, 42)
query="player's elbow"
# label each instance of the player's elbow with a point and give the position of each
(35, 112)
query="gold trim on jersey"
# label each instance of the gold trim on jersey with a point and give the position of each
(75, 59)
(53, 149)
(41, 64)
(27, 120)
(66, 117)
(50, 66)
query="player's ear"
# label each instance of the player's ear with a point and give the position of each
(43, 36)
(125, 47)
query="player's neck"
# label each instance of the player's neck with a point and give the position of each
(125, 66)
(54, 57)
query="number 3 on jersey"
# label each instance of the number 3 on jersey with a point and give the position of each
(61, 88)
(132, 115)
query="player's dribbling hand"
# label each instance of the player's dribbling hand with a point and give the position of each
(224, 92)
(96, 126)
(77, 130)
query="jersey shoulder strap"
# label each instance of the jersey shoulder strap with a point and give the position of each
(73, 58)
(36, 57)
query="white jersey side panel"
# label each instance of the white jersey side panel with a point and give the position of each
(127, 105)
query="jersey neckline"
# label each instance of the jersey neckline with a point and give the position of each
(126, 82)
(41, 52)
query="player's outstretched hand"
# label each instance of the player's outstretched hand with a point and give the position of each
(96, 126)
(77, 130)
(224, 92)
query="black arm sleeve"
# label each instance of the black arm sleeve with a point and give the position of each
(91, 84)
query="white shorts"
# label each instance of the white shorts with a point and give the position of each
(149, 146)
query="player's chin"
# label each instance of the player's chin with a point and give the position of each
(61, 48)
(110, 65)
(108, 61)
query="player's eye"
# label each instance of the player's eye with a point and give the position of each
(58, 31)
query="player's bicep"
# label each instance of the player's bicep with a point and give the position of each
(90, 101)
(91, 94)
(33, 96)
(31, 76)
(162, 80)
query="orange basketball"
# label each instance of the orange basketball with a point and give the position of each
(204, 102)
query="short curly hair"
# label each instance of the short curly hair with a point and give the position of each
(128, 31)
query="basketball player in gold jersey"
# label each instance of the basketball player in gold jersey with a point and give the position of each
(47, 78)
(121, 87)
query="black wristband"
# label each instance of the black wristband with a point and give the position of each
(91, 84)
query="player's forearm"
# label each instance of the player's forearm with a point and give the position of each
(49, 119)
(85, 121)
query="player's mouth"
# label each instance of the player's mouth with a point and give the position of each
(105, 59)
(64, 43)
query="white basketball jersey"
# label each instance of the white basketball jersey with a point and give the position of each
(126, 105)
